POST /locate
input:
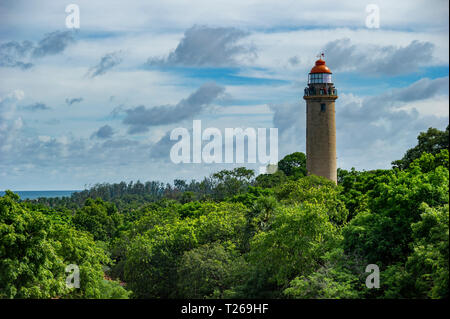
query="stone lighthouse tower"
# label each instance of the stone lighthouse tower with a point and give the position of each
(320, 95)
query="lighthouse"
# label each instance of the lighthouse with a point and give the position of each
(320, 96)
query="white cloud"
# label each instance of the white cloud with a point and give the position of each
(137, 15)
(10, 123)
(436, 106)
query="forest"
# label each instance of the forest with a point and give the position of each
(237, 235)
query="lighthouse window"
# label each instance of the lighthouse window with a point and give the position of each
(316, 78)
(319, 78)
(327, 78)
(323, 107)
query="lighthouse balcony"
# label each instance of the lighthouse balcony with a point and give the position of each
(313, 91)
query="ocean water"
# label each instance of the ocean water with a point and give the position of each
(37, 194)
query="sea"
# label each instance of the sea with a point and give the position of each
(37, 194)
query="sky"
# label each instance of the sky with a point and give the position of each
(95, 104)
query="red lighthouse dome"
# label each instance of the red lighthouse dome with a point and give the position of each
(320, 67)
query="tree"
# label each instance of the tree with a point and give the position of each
(270, 180)
(150, 268)
(99, 218)
(355, 187)
(34, 252)
(316, 190)
(112, 289)
(79, 248)
(154, 253)
(432, 141)
(293, 165)
(337, 278)
(428, 263)
(29, 265)
(383, 232)
(298, 237)
(225, 223)
(229, 183)
(209, 270)
(425, 274)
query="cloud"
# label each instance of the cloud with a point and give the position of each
(376, 59)
(294, 60)
(120, 144)
(19, 54)
(52, 121)
(161, 149)
(290, 120)
(37, 107)
(420, 90)
(12, 53)
(386, 105)
(10, 123)
(207, 46)
(117, 110)
(103, 132)
(286, 115)
(140, 118)
(53, 43)
(74, 100)
(107, 62)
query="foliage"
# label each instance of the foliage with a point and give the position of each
(229, 183)
(425, 273)
(99, 218)
(34, 252)
(384, 232)
(431, 142)
(337, 278)
(209, 270)
(293, 165)
(356, 186)
(29, 265)
(316, 190)
(299, 235)
(153, 256)
(112, 289)
(230, 235)
(270, 180)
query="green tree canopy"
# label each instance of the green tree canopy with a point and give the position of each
(293, 165)
(431, 141)
(34, 252)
